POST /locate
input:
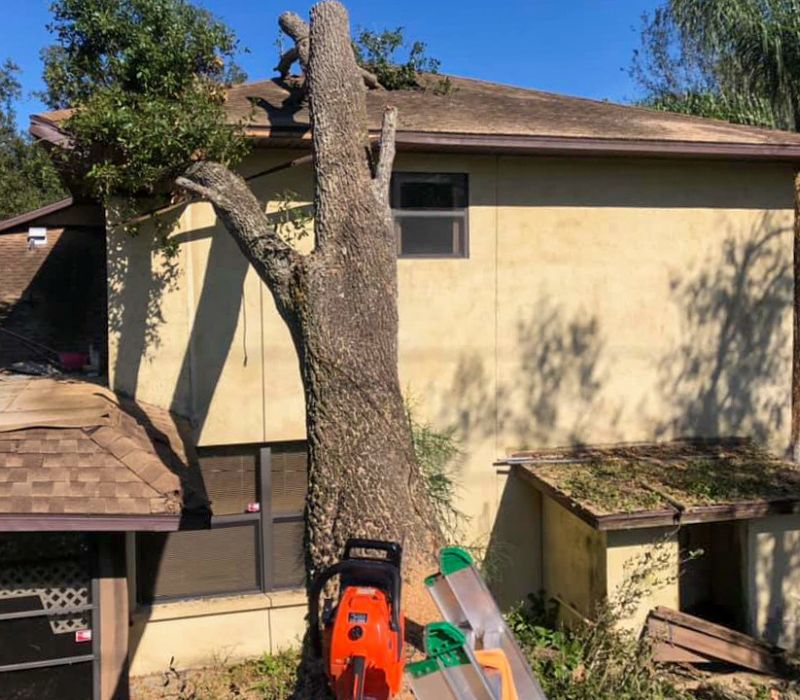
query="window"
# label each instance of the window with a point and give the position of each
(430, 214)
(255, 542)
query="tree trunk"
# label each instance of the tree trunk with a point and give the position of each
(794, 446)
(340, 303)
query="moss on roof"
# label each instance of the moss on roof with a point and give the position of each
(656, 476)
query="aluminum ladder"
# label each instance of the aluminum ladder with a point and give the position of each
(450, 671)
(464, 600)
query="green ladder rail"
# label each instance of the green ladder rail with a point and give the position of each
(465, 601)
(450, 671)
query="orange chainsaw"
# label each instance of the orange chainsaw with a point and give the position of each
(360, 637)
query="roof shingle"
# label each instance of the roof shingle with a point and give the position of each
(71, 447)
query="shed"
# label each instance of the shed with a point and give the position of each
(79, 467)
(708, 527)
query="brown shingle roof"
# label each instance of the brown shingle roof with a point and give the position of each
(643, 484)
(477, 107)
(479, 115)
(75, 448)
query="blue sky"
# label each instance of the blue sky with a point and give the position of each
(578, 47)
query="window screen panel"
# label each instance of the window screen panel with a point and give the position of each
(223, 560)
(230, 479)
(33, 639)
(73, 682)
(287, 554)
(431, 235)
(289, 479)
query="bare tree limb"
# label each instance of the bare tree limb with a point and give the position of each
(286, 61)
(370, 79)
(277, 263)
(296, 28)
(386, 153)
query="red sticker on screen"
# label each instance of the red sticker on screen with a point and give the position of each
(83, 636)
(253, 507)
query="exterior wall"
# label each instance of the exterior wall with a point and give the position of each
(602, 300)
(773, 579)
(573, 561)
(202, 632)
(55, 294)
(653, 552)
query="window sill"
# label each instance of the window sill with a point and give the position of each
(203, 607)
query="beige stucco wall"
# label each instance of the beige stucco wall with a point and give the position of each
(642, 572)
(773, 579)
(602, 300)
(204, 632)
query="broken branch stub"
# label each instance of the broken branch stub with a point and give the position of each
(297, 29)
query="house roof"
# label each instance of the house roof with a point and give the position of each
(64, 212)
(481, 116)
(74, 456)
(663, 483)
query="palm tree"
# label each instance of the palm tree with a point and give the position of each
(732, 59)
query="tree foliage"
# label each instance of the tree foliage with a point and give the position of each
(27, 177)
(380, 54)
(730, 59)
(146, 80)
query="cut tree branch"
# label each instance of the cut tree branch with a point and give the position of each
(297, 29)
(386, 153)
(277, 263)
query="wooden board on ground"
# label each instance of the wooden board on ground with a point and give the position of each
(678, 637)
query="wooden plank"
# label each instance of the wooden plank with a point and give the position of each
(678, 635)
(710, 628)
(113, 630)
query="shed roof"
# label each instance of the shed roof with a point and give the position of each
(646, 484)
(74, 456)
(476, 115)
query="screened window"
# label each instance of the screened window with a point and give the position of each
(430, 214)
(255, 542)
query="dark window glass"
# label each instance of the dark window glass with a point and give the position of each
(432, 236)
(231, 558)
(223, 560)
(429, 191)
(230, 478)
(287, 554)
(430, 212)
(289, 477)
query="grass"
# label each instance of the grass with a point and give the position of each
(270, 677)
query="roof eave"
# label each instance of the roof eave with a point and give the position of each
(300, 137)
(49, 522)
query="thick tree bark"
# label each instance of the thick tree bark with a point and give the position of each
(340, 303)
(795, 429)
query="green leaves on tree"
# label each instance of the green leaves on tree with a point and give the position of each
(27, 177)
(146, 81)
(379, 54)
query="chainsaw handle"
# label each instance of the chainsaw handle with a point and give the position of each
(394, 552)
(352, 566)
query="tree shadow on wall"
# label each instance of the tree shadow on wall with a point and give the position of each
(727, 374)
(140, 272)
(556, 374)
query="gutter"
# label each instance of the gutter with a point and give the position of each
(46, 522)
(300, 137)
